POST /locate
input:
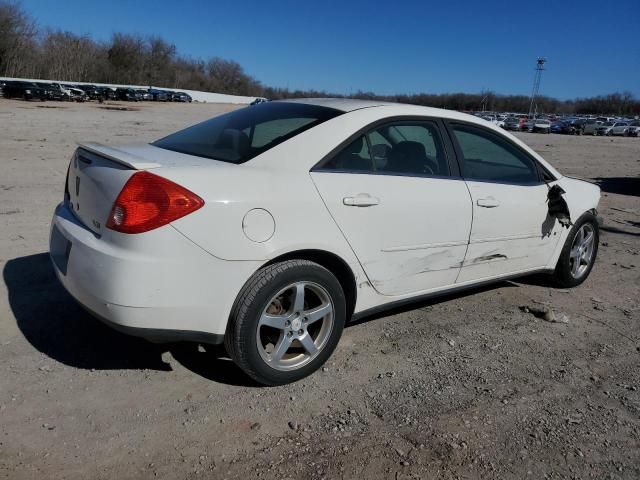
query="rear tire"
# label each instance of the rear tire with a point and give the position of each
(579, 253)
(286, 322)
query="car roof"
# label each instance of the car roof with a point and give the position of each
(360, 114)
(351, 105)
(343, 104)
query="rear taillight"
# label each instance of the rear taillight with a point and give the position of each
(148, 201)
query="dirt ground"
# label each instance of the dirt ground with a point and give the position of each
(468, 386)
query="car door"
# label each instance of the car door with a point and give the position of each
(619, 128)
(402, 208)
(512, 231)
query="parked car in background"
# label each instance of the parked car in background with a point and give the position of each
(91, 91)
(578, 125)
(180, 97)
(591, 127)
(77, 94)
(491, 118)
(128, 94)
(24, 90)
(145, 94)
(604, 128)
(68, 92)
(540, 125)
(634, 129)
(159, 95)
(511, 123)
(106, 93)
(60, 92)
(259, 100)
(50, 92)
(144, 254)
(562, 127)
(620, 129)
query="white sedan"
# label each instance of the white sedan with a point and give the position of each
(620, 128)
(268, 228)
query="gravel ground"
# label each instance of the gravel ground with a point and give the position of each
(468, 386)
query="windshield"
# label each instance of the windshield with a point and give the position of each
(238, 136)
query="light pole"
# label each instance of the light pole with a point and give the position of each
(536, 86)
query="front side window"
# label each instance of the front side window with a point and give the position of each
(241, 135)
(489, 157)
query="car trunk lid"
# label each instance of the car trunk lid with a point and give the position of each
(98, 173)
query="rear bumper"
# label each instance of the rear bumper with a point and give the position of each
(158, 285)
(161, 335)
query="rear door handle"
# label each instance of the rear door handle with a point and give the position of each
(488, 202)
(361, 200)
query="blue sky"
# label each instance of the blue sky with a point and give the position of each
(592, 46)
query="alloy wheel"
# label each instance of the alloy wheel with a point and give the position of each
(295, 326)
(581, 254)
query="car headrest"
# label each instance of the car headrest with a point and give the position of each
(407, 156)
(235, 140)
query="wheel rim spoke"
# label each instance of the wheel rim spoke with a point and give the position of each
(273, 321)
(575, 253)
(575, 266)
(318, 313)
(281, 348)
(298, 300)
(308, 344)
(578, 240)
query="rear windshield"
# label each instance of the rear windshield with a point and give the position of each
(240, 135)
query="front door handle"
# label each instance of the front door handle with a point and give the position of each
(488, 202)
(361, 200)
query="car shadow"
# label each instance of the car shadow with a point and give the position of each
(55, 324)
(610, 229)
(620, 185)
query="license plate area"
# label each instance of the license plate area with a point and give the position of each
(60, 249)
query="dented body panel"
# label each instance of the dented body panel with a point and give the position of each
(516, 234)
(415, 237)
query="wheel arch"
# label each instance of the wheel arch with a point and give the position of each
(332, 262)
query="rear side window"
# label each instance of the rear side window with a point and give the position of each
(412, 148)
(354, 158)
(241, 135)
(407, 148)
(488, 157)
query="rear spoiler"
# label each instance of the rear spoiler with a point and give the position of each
(119, 156)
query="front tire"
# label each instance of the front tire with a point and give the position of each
(579, 252)
(286, 322)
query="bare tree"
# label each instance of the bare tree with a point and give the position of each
(227, 76)
(127, 55)
(70, 57)
(136, 60)
(17, 41)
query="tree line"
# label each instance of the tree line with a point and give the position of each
(26, 51)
